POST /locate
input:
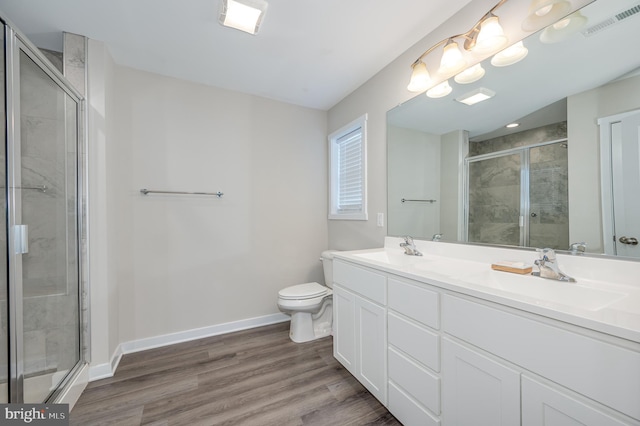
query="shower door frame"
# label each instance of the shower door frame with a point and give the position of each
(15, 42)
(525, 185)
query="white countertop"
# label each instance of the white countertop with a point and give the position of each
(605, 298)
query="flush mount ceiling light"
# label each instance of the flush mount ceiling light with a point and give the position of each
(420, 78)
(512, 125)
(470, 75)
(478, 95)
(440, 91)
(563, 28)
(545, 12)
(510, 55)
(243, 15)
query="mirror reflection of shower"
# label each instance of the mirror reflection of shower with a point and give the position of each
(517, 189)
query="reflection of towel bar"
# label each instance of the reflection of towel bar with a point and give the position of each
(420, 201)
(42, 188)
(151, 191)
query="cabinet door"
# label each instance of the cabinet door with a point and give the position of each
(344, 328)
(544, 405)
(371, 337)
(476, 390)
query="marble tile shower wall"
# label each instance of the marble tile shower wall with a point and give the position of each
(494, 190)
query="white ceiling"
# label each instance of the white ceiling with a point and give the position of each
(308, 52)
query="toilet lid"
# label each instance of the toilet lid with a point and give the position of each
(303, 291)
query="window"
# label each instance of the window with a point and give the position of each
(348, 173)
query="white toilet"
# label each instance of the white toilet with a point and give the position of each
(310, 305)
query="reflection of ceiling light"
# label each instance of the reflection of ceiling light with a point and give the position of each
(491, 37)
(545, 12)
(512, 125)
(420, 78)
(243, 15)
(478, 95)
(510, 55)
(440, 91)
(470, 75)
(563, 28)
(452, 60)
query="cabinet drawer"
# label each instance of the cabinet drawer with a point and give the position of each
(363, 281)
(416, 341)
(423, 386)
(414, 301)
(599, 370)
(407, 410)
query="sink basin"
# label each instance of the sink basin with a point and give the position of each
(390, 258)
(545, 291)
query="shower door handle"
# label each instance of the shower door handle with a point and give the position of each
(21, 239)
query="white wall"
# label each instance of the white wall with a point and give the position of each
(185, 262)
(385, 90)
(103, 283)
(583, 111)
(414, 157)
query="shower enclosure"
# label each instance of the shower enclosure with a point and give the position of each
(519, 196)
(40, 334)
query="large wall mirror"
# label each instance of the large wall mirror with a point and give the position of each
(568, 173)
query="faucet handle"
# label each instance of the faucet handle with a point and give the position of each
(547, 254)
(408, 239)
(578, 247)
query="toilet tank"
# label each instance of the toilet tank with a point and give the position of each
(327, 264)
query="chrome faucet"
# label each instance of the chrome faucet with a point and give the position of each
(409, 247)
(548, 267)
(578, 248)
(436, 237)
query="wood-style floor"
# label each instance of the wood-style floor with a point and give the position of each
(252, 377)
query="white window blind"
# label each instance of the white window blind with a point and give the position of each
(348, 171)
(350, 183)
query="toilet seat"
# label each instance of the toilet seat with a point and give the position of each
(303, 291)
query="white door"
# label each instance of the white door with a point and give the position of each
(546, 406)
(625, 161)
(476, 390)
(372, 347)
(620, 167)
(344, 328)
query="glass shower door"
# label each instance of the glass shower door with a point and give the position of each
(549, 196)
(493, 200)
(4, 307)
(45, 229)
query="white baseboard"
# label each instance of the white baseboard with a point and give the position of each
(105, 370)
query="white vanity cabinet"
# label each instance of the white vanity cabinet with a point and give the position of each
(438, 356)
(360, 325)
(413, 320)
(500, 349)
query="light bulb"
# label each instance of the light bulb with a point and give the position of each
(440, 91)
(452, 60)
(491, 37)
(420, 78)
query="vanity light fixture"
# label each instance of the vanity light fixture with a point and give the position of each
(545, 12)
(470, 75)
(491, 37)
(475, 96)
(243, 15)
(452, 60)
(420, 78)
(440, 91)
(510, 55)
(563, 28)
